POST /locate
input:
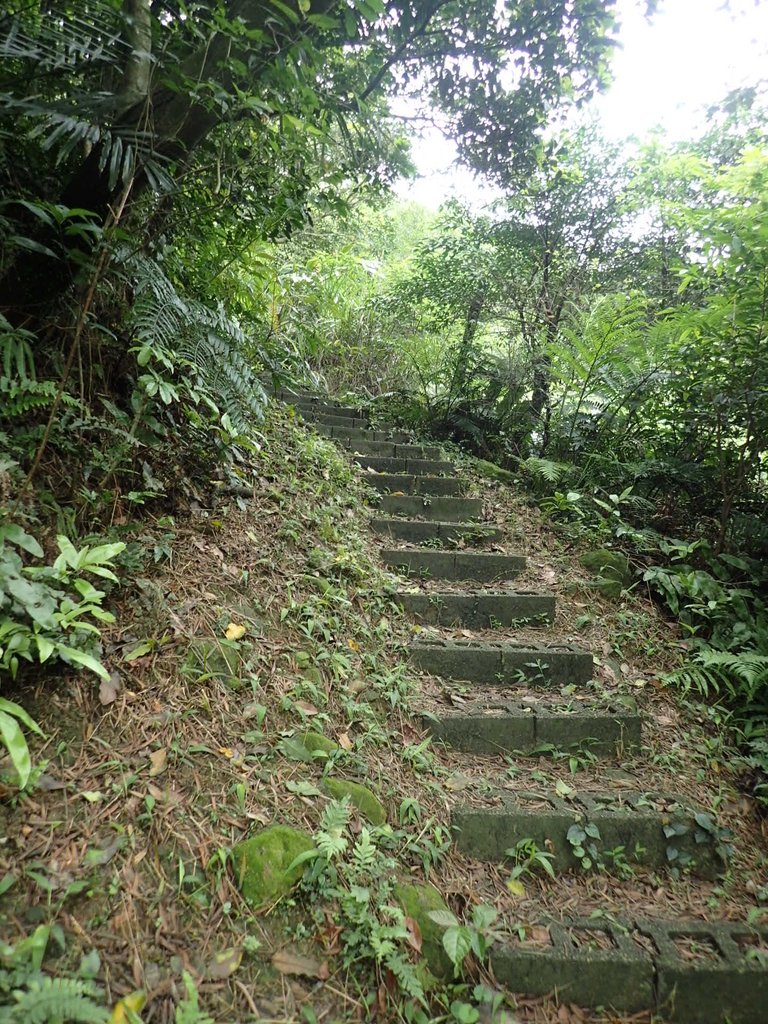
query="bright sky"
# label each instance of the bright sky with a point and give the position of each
(689, 56)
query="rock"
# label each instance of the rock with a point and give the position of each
(262, 863)
(493, 472)
(316, 741)
(369, 805)
(613, 570)
(418, 901)
(222, 660)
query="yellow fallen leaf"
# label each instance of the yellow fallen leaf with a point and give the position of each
(344, 741)
(227, 752)
(133, 1002)
(353, 645)
(235, 631)
(157, 762)
(516, 887)
(223, 964)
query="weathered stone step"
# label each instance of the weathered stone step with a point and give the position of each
(485, 609)
(334, 421)
(503, 727)
(476, 566)
(414, 531)
(688, 972)
(364, 434)
(607, 831)
(409, 484)
(503, 664)
(418, 467)
(445, 509)
(309, 408)
(391, 450)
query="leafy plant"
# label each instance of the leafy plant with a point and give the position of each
(459, 940)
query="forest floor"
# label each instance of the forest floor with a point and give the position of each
(245, 624)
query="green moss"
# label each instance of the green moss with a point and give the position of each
(369, 805)
(613, 570)
(493, 472)
(418, 901)
(263, 863)
(221, 660)
(316, 741)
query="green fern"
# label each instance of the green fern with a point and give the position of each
(720, 673)
(188, 1010)
(545, 469)
(208, 342)
(55, 1001)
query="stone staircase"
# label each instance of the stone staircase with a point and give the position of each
(434, 535)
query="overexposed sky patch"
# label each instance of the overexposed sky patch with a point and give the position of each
(667, 71)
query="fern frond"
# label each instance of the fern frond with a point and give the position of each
(545, 469)
(720, 673)
(54, 1000)
(210, 341)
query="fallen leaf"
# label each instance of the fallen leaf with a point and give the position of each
(302, 788)
(109, 688)
(157, 760)
(91, 795)
(133, 1002)
(234, 631)
(344, 741)
(563, 789)
(353, 645)
(287, 962)
(222, 964)
(306, 707)
(516, 887)
(458, 782)
(414, 939)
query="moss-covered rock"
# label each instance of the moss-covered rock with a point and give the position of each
(493, 472)
(418, 901)
(221, 660)
(369, 805)
(263, 863)
(316, 741)
(613, 570)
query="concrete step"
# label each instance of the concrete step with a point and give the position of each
(390, 450)
(642, 967)
(314, 410)
(503, 664)
(333, 421)
(445, 509)
(598, 831)
(486, 609)
(418, 467)
(531, 726)
(477, 566)
(413, 531)
(409, 484)
(364, 434)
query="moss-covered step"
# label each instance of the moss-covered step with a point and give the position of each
(392, 450)
(405, 483)
(418, 467)
(687, 972)
(602, 831)
(472, 566)
(264, 863)
(503, 664)
(485, 609)
(443, 509)
(413, 531)
(418, 902)
(332, 421)
(364, 434)
(310, 408)
(528, 727)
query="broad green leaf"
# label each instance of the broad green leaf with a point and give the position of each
(444, 918)
(14, 533)
(13, 740)
(457, 943)
(17, 711)
(86, 660)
